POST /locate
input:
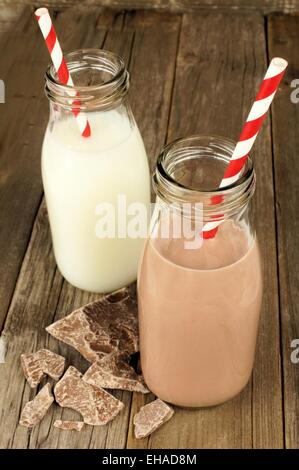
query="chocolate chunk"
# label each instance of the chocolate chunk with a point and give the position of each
(34, 411)
(95, 405)
(150, 417)
(114, 371)
(52, 364)
(106, 326)
(32, 369)
(36, 365)
(69, 425)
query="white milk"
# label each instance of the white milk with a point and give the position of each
(78, 174)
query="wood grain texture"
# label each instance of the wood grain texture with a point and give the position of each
(13, 17)
(41, 295)
(215, 83)
(37, 293)
(19, 163)
(283, 32)
(192, 76)
(152, 69)
(265, 6)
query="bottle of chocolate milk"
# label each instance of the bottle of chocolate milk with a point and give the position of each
(199, 299)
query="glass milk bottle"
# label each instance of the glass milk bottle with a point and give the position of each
(89, 182)
(199, 300)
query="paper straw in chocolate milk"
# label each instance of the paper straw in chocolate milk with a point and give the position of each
(249, 133)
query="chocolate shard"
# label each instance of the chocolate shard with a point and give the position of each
(106, 326)
(32, 369)
(34, 411)
(114, 371)
(52, 364)
(36, 365)
(69, 425)
(96, 406)
(150, 417)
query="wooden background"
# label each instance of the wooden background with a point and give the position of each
(265, 6)
(191, 72)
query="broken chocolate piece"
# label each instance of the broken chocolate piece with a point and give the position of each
(106, 326)
(150, 417)
(36, 365)
(52, 364)
(34, 411)
(95, 405)
(69, 425)
(114, 371)
(32, 369)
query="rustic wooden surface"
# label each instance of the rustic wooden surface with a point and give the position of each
(284, 34)
(188, 75)
(264, 6)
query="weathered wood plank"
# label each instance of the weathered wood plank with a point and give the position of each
(283, 33)
(13, 16)
(152, 74)
(37, 293)
(19, 162)
(265, 6)
(215, 83)
(41, 295)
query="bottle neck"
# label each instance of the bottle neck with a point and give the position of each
(101, 82)
(190, 170)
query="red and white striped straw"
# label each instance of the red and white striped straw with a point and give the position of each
(250, 131)
(49, 33)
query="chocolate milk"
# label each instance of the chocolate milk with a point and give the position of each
(198, 316)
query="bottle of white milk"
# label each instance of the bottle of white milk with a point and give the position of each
(95, 186)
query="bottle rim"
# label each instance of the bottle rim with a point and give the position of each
(226, 200)
(106, 93)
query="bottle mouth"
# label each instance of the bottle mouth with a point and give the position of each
(100, 81)
(191, 169)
